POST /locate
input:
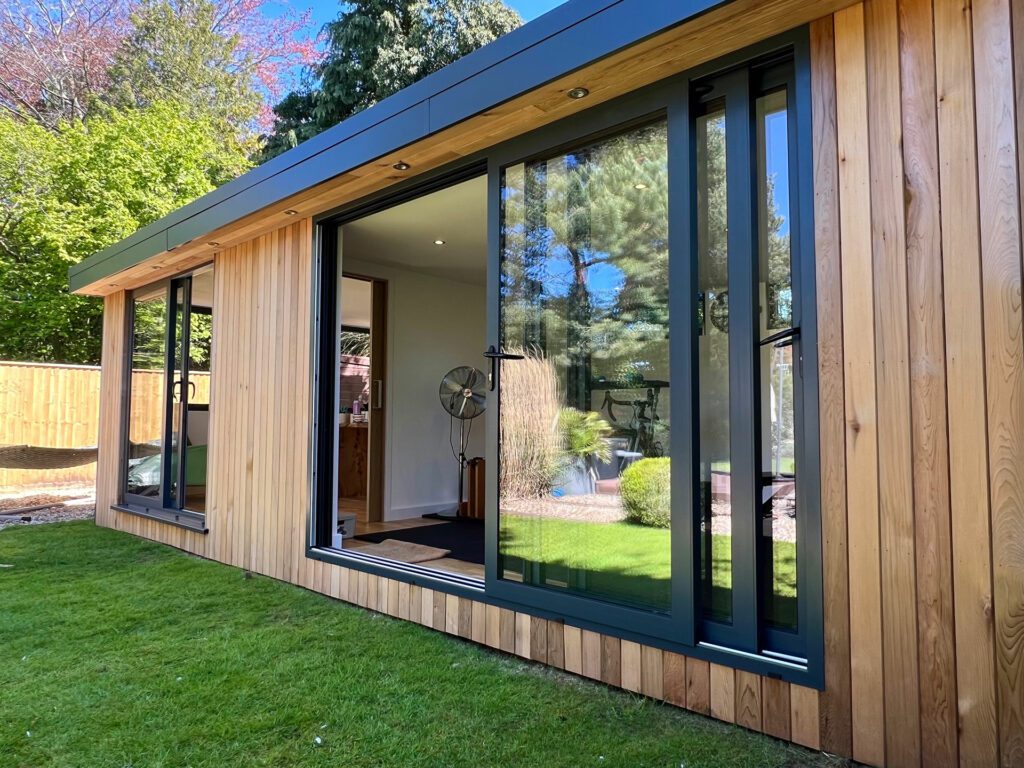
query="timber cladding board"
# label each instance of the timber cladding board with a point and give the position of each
(726, 28)
(918, 268)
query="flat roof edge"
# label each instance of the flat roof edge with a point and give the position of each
(564, 40)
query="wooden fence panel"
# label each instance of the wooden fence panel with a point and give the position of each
(57, 406)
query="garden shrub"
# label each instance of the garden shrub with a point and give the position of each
(645, 492)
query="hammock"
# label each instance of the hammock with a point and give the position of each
(38, 457)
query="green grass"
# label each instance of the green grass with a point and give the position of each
(623, 562)
(619, 561)
(119, 652)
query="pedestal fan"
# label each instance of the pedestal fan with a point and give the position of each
(463, 397)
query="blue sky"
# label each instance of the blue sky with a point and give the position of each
(326, 10)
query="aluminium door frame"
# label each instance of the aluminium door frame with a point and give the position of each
(160, 506)
(323, 396)
(660, 101)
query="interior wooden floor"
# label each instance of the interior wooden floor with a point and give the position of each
(364, 526)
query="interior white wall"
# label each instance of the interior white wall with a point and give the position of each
(433, 325)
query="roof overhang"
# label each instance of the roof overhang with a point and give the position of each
(506, 88)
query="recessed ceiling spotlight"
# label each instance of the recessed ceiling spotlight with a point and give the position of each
(290, 212)
(579, 92)
(213, 244)
(401, 166)
(439, 242)
(639, 185)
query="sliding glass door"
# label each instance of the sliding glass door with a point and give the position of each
(647, 295)
(585, 417)
(166, 436)
(585, 517)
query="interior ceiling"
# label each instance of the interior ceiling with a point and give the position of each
(404, 236)
(356, 302)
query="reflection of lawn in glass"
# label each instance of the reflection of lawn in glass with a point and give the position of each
(621, 562)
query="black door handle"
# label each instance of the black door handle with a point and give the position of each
(782, 338)
(494, 356)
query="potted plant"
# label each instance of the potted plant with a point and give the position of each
(584, 440)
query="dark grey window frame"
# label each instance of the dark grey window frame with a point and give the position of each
(683, 629)
(161, 507)
(739, 88)
(663, 101)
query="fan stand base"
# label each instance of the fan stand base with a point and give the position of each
(457, 513)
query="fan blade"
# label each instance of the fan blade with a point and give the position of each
(466, 383)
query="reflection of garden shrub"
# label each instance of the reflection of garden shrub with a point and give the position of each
(585, 434)
(645, 492)
(531, 443)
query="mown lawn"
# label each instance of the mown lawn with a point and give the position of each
(120, 652)
(622, 561)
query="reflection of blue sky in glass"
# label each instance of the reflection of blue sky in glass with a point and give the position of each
(777, 162)
(604, 280)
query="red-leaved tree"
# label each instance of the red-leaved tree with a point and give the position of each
(274, 47)
(56, 55)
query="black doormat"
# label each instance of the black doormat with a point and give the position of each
(464, 537)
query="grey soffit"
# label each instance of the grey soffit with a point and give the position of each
(561, 41)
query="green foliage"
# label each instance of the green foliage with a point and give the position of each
(69, 193)
(585, 434)
(586, 244)
(294, 122)
(356, 343)
(377, 47)
(175, 52)
(645, 492)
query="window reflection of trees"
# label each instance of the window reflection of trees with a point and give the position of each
(585, 278)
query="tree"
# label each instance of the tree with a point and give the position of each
(174, 52)
(71, 192)
(57, 56)
(218, 58)
(54, 55)
(377, 47)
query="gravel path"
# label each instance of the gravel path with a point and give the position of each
(588, 508)
(60, 505)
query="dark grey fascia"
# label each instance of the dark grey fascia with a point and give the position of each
(564, 40)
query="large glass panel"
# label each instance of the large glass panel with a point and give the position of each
(584, 417)
(146, 416)
(197, 425)
(713, 366)
(778, 435)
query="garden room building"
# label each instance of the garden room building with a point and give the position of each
(677, 345)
